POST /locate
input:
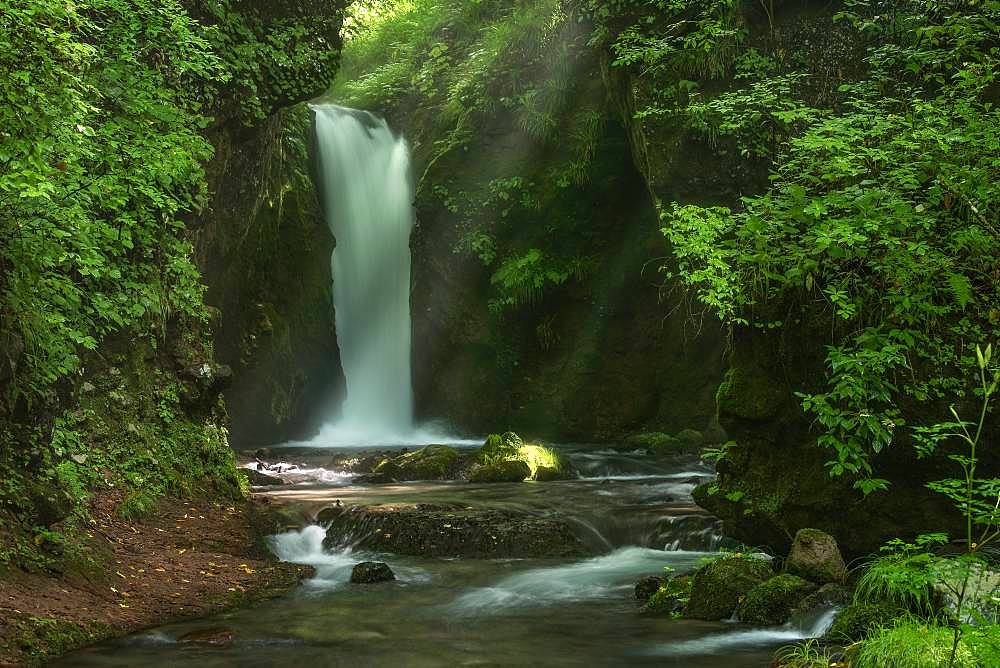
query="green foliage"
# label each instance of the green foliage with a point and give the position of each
(809, 654)
(878, 218)
(912, 644)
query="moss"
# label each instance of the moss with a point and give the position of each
(913, 645)
(748, 392)
(433, 462)
(35, 639)
(671, 597)
(718, 586)
(509, 471)
(771, 602)
(509, 447)
(857, 620)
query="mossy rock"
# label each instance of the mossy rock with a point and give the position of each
(548, 474)
(718, 587)
(816, 556)
(510, 471)
(858, 620)
(434, 462)
(749, 393)
(690, 439)
(771, 602)
(671, 597)
(828, 595)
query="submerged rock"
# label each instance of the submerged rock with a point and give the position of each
(214, 637)
(443, 531)
(815, 556)
(368, 572)
(509, 471)
(717, 588)
(770, 603)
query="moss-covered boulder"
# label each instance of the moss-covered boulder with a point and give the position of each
(771, 602)
(828, 595)
(717, 588)
(649, 585)
(434, 462)
(513, 470)
(540, 459)
(672, 596)
(690, 439)
(815, 556)
(857, 620)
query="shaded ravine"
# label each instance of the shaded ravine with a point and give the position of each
(627, 509)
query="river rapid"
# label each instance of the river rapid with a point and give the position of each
(634, 513)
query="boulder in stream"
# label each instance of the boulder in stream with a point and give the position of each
(770, 603)
(648, 586)
(513, 470)
(815, 556)
(717, 588)
(436, 530)
(368, 572)
(262, 479)
(433, 462)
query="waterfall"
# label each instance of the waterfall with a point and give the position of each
(369, 208)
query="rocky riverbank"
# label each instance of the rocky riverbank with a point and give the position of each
(187, 559)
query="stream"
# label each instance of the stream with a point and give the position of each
(635, 513)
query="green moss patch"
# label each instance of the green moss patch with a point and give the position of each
(771, 602)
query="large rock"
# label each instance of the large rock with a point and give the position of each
(718, 587)
(815, 556)
(434, 462)
(263, 479)
(509, 471)
(368, 572)
(771, 602)
(442, 531)
(671, 597)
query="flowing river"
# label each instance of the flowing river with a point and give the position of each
(633, 512)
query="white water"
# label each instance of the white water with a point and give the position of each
(813, 626)
(369, 208)
(609, 576)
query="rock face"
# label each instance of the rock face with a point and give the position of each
(771, 602)
(368, 572)
(717, 588)
(509, 471)
(815, 556)
(442, 531)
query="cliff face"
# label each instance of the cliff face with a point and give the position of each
(261, 242)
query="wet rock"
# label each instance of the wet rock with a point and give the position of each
(434, 462)
(509, 471)
(828, 595)
(718, 587)
(443, 531)
(263, 479)
(648, 586)
(815, 556)
(368, 572)
(770, 603)
(690, 439)
(548, 474)
(214, 637)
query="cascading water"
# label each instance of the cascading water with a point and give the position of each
(369, 208)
